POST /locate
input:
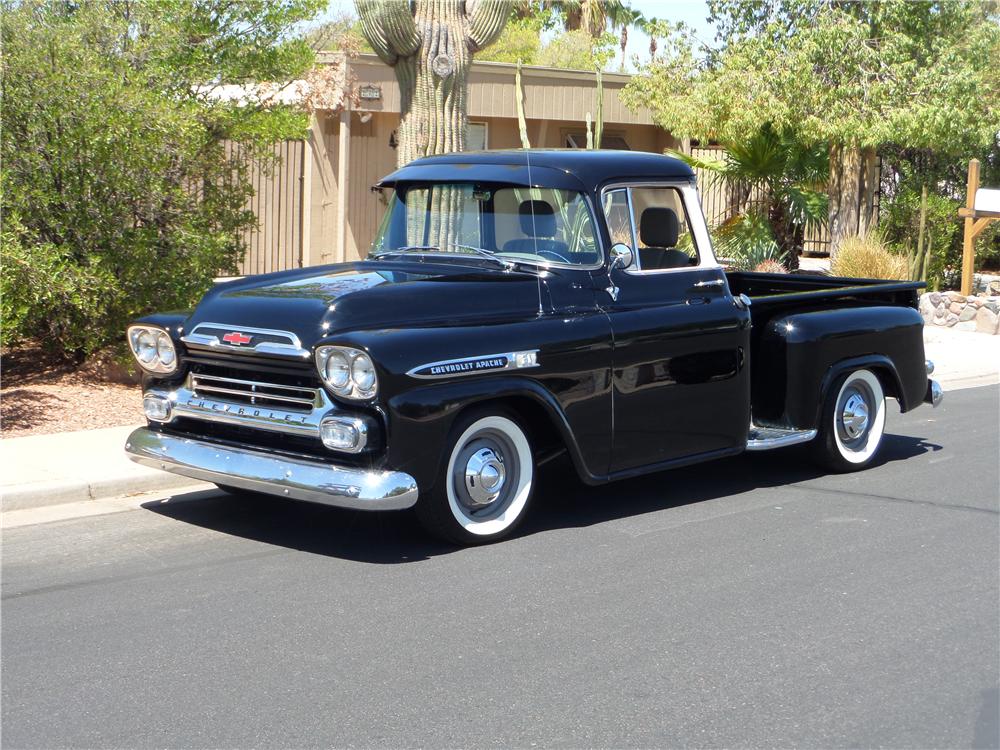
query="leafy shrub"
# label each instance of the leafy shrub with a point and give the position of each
(118, 191)
(46, 293)
(747, 241)
(868, 257)
(900, 223)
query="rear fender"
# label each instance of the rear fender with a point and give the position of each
(800, 355)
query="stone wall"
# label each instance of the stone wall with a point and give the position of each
(954, 310)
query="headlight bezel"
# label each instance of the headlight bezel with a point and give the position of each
(351, 389)
(155, 365)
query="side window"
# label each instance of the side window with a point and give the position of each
(665, 239)
(653, 222)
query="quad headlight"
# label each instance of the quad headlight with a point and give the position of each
(347, 371)
(153, 349)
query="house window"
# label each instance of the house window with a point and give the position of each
(475, 137)
(579, 140)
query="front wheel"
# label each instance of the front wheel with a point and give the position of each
(486, 483)
(852, 423)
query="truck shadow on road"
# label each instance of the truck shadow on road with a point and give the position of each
(561, 502)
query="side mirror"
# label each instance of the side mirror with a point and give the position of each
(621, 256)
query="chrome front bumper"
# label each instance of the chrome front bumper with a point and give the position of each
(299, 479)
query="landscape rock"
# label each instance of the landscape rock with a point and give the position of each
(935, 298)
(951, 320)
(987, 321)
(968, 313)
(956, 307)
(926, 308)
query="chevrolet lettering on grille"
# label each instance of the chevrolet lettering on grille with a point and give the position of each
(247, 411)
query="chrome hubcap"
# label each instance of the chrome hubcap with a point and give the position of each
(855, 416)
(484, 477)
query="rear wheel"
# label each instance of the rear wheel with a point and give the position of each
(486, 484)
(852, 423)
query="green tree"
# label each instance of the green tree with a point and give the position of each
(853, 76)
(120, 189)
(520, 41)
(342, 33)
(577, 50)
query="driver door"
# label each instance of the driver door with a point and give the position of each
(679, 370)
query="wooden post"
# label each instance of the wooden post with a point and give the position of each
(305, 195)
(968, 240)
(343, 174)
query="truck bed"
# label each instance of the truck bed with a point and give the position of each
(835, 319)
(779, 289)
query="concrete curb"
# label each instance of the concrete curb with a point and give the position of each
(42, 494)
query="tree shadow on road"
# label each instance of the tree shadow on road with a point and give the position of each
(561, 501)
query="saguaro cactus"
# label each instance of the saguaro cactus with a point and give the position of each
(430, 44)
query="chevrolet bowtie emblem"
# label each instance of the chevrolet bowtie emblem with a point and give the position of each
(235, 337)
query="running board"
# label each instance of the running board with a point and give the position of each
(769, 438)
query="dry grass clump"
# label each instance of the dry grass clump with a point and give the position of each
(770, 266)
(868, 257)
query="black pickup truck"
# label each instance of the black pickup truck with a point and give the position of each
(516, 305)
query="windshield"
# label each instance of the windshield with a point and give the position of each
(512, 224)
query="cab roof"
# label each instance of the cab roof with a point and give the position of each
(568, 169)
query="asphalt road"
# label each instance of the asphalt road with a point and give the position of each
(749, 602)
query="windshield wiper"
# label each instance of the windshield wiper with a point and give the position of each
(484, 253)
(480, 251)
(405, 249)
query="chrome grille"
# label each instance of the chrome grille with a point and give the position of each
(288, 397)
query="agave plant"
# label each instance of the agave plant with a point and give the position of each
(777, 190)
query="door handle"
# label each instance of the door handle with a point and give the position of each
(710, 283)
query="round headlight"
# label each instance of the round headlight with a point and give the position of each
(145, 347)
(153, 349)
(337, 369)
(363, 372)
(165, 350)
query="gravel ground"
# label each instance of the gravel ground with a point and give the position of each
(39, 395)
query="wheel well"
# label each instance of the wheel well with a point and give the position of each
(542, 431)
(886, 378)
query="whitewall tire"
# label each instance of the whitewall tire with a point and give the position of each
(486, 481)
(853, 422)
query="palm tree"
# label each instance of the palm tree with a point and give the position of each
(777, 190)
(591, 16)
(626, 18)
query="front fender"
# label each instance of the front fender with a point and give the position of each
(420, 420)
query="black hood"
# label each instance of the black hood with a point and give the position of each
(316, 302)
